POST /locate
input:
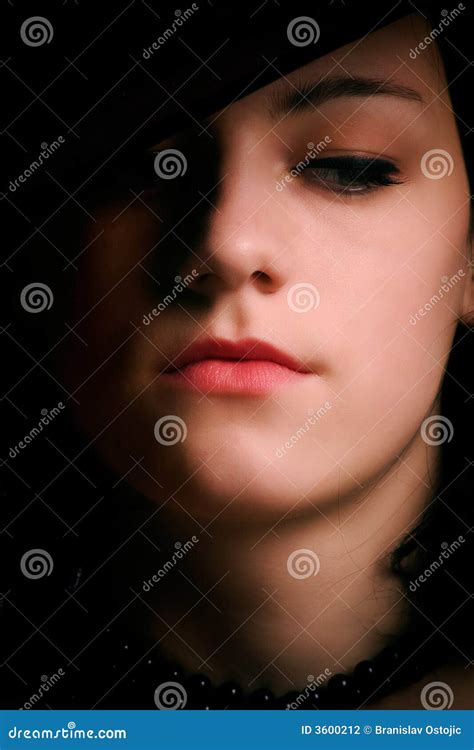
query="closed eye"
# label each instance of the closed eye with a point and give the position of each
(351, 174)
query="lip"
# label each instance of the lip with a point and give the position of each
(247, 366)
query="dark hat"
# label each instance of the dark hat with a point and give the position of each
(89, 84)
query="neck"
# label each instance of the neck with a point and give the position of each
(242, 604)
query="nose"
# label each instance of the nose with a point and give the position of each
(241, 245)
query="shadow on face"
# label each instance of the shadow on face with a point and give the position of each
(318, 217)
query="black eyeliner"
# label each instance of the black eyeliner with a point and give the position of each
(365, 173)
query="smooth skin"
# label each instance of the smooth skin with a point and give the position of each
(354, 482)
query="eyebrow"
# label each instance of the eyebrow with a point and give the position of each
(310, 94)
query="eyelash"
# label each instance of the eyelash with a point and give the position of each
(348, 176)
(356, 175)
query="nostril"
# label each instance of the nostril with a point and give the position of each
(262, 277)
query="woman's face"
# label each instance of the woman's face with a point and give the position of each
(330, 265)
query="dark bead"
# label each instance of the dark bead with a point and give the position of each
(387, 686)
(415, 661)
(315, 700)
(170, 671)
(417, 670)
(358, 699)
(407, 672)
(229, 694)
(262, 698)
(339, 683)
(198, 685)
(388, 663)
(306, 700)
(365, 671)
(287, 702)
(365, 676)
(201, 705)
(199, 691)
(388, 660)
(340, 691)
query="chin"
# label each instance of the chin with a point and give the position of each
(233, 473)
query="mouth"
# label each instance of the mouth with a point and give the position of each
(248, 366)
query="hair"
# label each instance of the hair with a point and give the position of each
(434, 560)
(57, 486)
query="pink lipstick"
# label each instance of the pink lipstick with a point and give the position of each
(248, 366)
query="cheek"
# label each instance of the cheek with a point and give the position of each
(394, 312)
(114, 289)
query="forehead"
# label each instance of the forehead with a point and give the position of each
(389, 56)
(393, 57)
